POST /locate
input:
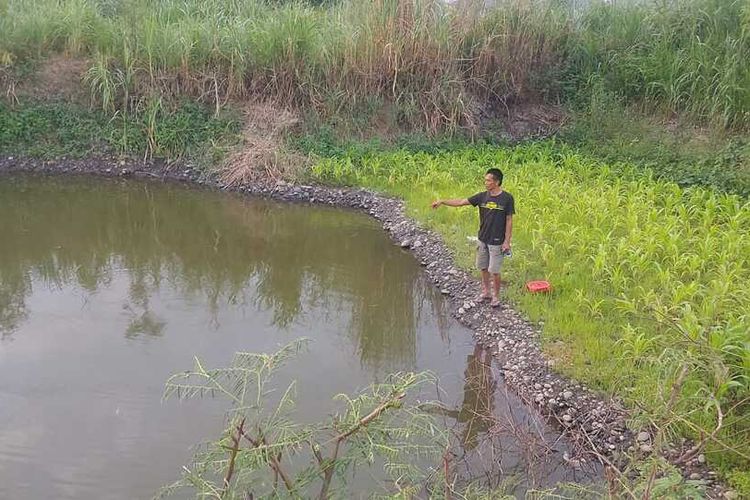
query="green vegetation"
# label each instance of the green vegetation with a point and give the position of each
(673, 149)
(52, 130)
(262, 447)
(650, 279)
(438, 64)
(264, 452)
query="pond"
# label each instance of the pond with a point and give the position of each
(107, 287)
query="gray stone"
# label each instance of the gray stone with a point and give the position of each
(647, 448)
(643, 436)
(701, 458)
(567, 395)
(731, 495)
(695, 476)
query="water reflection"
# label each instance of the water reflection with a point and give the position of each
(215, 250)
(477, 412)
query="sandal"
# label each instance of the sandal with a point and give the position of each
(495, 302)
(482, 297)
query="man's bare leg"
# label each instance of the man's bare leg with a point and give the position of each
(486, 288)
(495, 289)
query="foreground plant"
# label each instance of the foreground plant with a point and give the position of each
(263, 452)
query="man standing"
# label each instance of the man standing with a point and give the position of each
(496, 209)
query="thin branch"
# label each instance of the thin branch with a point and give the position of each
(372, 415)
(329, 467)
(233, 455)
(273, 461)
(700, 444)
(446, 468)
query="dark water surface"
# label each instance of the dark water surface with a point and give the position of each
(109, 287)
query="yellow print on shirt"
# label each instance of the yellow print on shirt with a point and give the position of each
(492, 206)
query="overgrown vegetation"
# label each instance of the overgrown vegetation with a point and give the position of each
(438, 64)
(648, 277)
(53, 130)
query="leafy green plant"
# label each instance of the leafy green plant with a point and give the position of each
(264, 452)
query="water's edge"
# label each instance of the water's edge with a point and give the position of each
(595, 425)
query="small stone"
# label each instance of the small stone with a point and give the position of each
(647, 448)
(405, 244)
(461, 310)
(417, 244)
(567, 395)
(445, 291)
(731, 495)
(538, 387)
(612, 447)
(701, 458)
(567, 418)
(695, 476)
(643, 437)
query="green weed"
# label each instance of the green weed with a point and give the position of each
(53, 130)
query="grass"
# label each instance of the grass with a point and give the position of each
(54, 130)
(649, 277)
(667, 145)
(441, 67)
(432, 60)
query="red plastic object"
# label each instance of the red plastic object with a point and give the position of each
(539, 286)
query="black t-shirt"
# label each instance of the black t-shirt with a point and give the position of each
(493, 211)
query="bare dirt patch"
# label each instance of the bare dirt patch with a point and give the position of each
(521, 120)
(57, 78)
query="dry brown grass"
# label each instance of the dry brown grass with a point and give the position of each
(262, 154)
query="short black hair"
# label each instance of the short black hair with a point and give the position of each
(496, 173)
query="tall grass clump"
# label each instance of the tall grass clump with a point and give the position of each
(686, 56)
(435, 62)
(440, 66)
(650, 280)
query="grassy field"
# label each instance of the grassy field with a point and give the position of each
(649, 278)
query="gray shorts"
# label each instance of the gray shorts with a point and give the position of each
(489, 257)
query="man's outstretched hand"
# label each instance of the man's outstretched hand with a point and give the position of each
(437, 203)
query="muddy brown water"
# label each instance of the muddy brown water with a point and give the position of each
(108, 287)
